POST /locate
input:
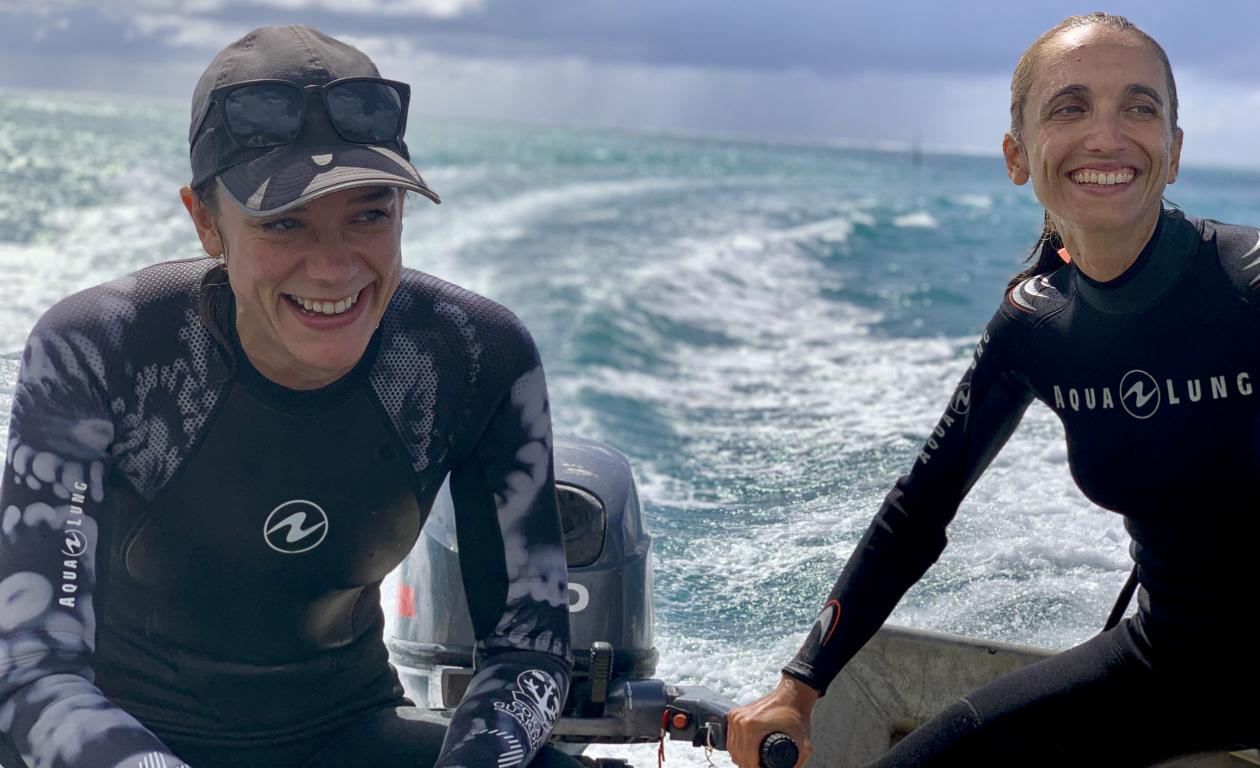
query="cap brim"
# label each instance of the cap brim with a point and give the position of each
(290, 176)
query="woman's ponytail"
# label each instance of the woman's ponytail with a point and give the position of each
(1045, 252)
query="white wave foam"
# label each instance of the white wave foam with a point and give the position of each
(507, 219)
(916, 219)
(834, 230)
(982, 202)
(141, 222)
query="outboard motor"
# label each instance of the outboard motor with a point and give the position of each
(610, 591)
(613, 697)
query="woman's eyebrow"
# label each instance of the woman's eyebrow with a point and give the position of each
(1074, 89)
(1146, 90)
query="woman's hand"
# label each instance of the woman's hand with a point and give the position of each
(785, 709)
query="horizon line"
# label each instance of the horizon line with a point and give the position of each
(816, 142)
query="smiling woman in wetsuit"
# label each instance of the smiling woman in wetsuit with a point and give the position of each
(213, 463)
(1137, 325)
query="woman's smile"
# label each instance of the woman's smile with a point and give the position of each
(1095, 177)
(329, 314)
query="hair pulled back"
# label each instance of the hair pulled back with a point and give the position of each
(1045, 253)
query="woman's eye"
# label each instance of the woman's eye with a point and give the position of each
(376, 214)
(280, 225)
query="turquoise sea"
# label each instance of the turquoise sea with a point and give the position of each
(768, 331)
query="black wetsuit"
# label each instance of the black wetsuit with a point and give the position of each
(191, 554)
(1156, 378)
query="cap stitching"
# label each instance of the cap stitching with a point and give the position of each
(247, 43)
(311, 57)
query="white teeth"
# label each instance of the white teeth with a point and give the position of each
(1104, 178)
(327, 307)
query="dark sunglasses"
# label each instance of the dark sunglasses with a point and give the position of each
(270, 113)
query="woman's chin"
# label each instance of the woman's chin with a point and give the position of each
(332, 362)
(316, 364)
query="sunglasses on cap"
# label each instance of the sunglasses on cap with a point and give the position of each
(258, 114)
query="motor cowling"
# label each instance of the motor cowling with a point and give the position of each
(608, 551)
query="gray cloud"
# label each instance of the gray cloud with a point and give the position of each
(867, 72)
(984, 36)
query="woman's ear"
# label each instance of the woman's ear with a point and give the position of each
(1016, 162)
(203, 220)
(1174, 156)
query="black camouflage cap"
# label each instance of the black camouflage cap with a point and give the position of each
(270, 180)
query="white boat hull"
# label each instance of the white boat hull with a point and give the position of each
(903, 677)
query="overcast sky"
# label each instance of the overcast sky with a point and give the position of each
(888, 72)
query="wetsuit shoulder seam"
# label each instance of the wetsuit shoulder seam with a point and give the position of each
(1238, 243)
(1029, 324)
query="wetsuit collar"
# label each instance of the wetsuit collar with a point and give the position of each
(300, 401)
(1151, 276)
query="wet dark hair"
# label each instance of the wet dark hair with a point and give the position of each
(214, 298)
(1045, 253)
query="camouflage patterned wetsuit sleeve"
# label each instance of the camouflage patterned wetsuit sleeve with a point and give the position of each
(1153, 375)
(504, 495)
(53, 489)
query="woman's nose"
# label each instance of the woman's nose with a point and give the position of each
(332, 261)
(1106, 133)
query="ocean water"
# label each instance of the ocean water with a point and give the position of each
(768, 331)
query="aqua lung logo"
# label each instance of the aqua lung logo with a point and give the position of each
(958, 406)
(295, 526)
(962, 399)
(75, 545)
(1141, 395)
